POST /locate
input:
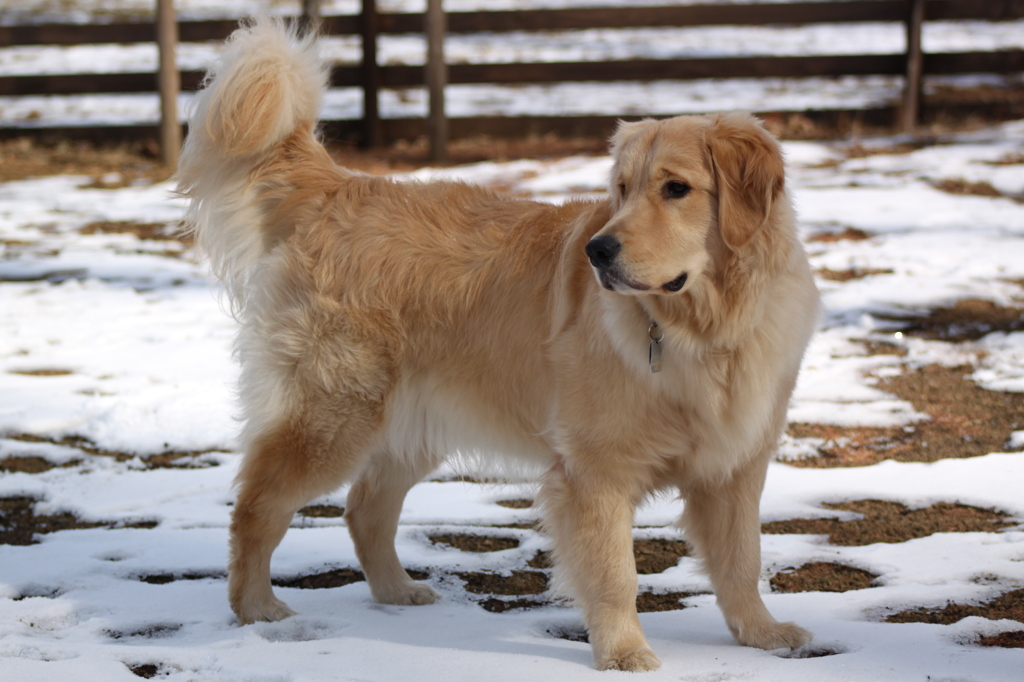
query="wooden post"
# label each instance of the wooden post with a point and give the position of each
(910, 111)
(168, 82)
(370, 77)
(437, 79)
(310, 18)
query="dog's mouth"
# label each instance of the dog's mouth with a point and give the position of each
(613, 280)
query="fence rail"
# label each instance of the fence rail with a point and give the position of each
(370, 76)
(853, 11)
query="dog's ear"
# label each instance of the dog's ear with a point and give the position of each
(625, 133)
(573, 273)
(749, 171)
(627, 130)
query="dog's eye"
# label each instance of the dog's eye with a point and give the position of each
(622, 190)
(676, 190)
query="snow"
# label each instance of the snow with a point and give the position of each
(146, 343)
(126, 342)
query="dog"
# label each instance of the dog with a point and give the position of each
(645, 342)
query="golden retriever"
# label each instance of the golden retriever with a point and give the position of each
(645, 342)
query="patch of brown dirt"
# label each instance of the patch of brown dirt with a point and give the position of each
(495, 605)
(515, 504)
(884, 348)
(338, 577)
(475, 543)
(42, 372)
(656, 555)
(147, 231)
(1011, 159)
(146, 670)
(851, 273)
(652, 555)
(541, 560)
(821, 576)
(26, 157)
(150, 632)
(1008, 640)
(966, 421)
(517, 584)
(1006, 606)
(322, 511)
(646, 602)
(19, 524)
(811, 651)
(966, 320)
(175, 459)
(166, 578)
(851, 234)
(650, 602)
(961, 187)
(572, 633)
(892, 522)
(860, 151)
(29, 464)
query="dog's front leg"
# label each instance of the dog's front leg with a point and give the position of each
(722, 520)
(590, 518)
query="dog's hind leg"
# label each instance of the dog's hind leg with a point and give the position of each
(722, 521)
(372, 510)
(284, 468)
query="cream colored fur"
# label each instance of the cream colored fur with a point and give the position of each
(385, 325)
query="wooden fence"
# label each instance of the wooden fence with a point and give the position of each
(371, 77)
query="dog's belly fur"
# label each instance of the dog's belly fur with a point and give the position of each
(426, 417)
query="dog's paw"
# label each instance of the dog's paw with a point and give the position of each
(407, 594)
(631, 660)
(775, 635)
(270, 610)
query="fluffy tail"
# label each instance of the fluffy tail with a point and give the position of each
(265, 88)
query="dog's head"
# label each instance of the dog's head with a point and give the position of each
(684, 190)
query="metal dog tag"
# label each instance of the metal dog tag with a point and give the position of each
(654, 351)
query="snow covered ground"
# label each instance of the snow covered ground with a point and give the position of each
(124, 342)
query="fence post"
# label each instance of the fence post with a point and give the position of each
(370, 77)
(310, 18)
(437, 79)
(168, 82)
(910, 111)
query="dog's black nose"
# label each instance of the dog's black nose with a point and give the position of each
(602, 250)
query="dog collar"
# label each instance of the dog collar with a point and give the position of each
(654, 350)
